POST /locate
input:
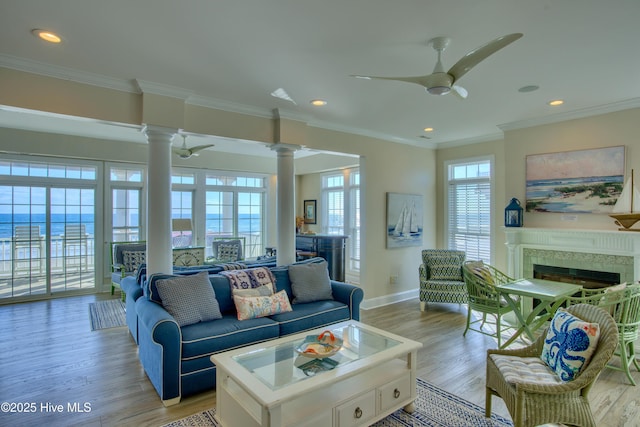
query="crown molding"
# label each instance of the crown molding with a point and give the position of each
(571, 115)
(64, 73)
(473, 140)
(232, 107)
(145, 86)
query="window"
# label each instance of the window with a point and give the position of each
(333, 196)
(341, 210)
(126, 200)
(469, 187)
(234, 206)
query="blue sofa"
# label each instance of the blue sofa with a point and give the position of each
(177, 359)
(132, 286)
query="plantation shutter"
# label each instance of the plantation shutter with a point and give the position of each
(469, 210)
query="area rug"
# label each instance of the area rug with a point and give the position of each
(107, 314)
(434, 408)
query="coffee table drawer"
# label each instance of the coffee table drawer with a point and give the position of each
(394, 392)
(356, 411)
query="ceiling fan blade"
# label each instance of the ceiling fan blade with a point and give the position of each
(460, 91)
(419, 80)
(199, 147)
(474, 57)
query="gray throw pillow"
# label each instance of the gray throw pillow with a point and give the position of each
(189, 299)
(310, 282)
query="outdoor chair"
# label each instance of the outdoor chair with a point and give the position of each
(75, 244)
(441, 277)
(533, 393)
(481, 281)
(27, 241)
(126, 257)
(623, 303)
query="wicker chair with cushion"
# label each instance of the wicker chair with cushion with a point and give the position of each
(623, 303)
(534, 393)
(481, 281)
(441, 277)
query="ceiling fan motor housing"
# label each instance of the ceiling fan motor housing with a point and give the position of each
(439, 83)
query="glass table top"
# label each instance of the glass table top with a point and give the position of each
(281, 365)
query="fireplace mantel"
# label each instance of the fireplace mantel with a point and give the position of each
(607, 246)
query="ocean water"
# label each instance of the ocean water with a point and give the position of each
(247, 223)
(544, 188)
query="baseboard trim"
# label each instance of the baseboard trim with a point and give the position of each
(370, 303)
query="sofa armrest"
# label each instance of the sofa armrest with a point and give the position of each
(351, 295)
(159, 340)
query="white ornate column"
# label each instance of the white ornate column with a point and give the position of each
(285, 204)
(159, 252)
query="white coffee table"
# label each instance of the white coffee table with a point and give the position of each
(270, 384)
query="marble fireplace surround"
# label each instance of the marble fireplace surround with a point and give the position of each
(597, 250)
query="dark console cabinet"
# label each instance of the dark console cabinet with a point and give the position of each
(329, 247)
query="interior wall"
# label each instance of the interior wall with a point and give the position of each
(606, 130)
(390, 167)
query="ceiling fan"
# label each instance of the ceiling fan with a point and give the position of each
(440, 82)
(184, 153)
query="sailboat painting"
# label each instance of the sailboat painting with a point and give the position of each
(404, 220)
(626, 211)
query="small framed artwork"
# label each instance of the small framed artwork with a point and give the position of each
(404, 220)
(309, 211)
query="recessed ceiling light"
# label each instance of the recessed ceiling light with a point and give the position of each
(48, 36)
(318, 102)
(556, 102)
(428, 129)
(529, 88)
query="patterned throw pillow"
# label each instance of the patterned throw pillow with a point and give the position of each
(569, 344)
(260, 291)
(310, 282)
(132, 259)
(227, 253)
(189, 299)
(446, 267)
(250, 278)
(253, 307)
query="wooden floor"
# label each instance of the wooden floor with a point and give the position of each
(50, 357)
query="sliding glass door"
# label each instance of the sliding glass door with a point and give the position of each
(47, 231)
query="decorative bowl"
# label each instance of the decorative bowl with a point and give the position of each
(319, 346)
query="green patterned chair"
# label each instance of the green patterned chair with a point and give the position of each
(441, 277)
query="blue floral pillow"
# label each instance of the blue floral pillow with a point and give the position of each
(569, 344)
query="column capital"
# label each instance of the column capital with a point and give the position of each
(281, 147)
(159, 131)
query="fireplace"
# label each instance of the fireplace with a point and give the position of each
(589, 279)
(600, 255)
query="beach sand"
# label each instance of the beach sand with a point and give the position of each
(574, 203)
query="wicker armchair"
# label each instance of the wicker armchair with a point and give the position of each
(481, 281)
(624, 305)
(441, 277)
(536, 399)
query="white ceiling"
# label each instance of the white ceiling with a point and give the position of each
(234, 53)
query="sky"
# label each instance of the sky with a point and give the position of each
(576, 164)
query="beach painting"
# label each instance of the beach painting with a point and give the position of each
(404, 220)
(581, 181)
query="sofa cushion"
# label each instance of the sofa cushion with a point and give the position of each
(133, 259)
(206, 338)
(311, 315)
(261, 306)
(310, 282)
(189, 299)
(569, 344)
